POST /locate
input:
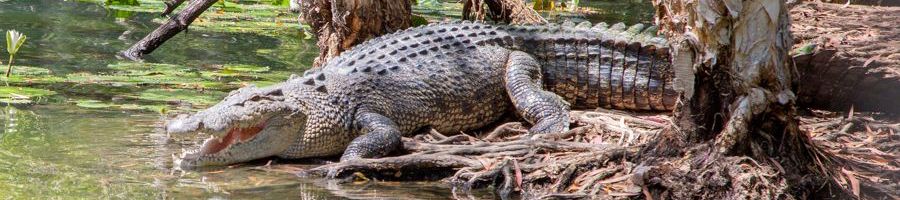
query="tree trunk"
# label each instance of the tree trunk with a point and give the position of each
(341, 24)
(507, 11)
(737, 101)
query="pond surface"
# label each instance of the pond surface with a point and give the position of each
(57, 150)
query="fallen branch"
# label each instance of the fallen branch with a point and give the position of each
(172, 27)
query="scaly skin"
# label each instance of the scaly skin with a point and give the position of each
(450, 77)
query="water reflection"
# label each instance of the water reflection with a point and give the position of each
(72, 36)
(59, 151)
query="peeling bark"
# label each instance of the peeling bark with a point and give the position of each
(743, 100)
(341, 24)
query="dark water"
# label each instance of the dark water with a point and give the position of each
(60, 151)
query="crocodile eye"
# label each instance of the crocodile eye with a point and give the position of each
(276, 93)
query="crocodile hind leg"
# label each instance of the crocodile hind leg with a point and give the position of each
(380, 137)
(548, 112)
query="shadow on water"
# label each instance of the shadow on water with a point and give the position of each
(63, 151)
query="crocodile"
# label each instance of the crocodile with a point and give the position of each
(449, 76)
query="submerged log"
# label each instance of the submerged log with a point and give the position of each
(172, 27)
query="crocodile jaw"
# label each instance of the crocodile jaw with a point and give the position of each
(250, 123)
(235, 135)
(244, 143)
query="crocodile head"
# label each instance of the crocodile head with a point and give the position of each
(250, 123)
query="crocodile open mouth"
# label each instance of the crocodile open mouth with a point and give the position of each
(239, 134)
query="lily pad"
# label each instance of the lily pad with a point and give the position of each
(142, 69)
(29, 71)
(10, 92)
(93, 104)
(21, 95)
(245, 68)
(97, 104)
(174, 95)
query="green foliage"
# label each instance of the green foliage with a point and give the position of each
(807, 48)
(224, 6)
(418, 20)
(281, 3)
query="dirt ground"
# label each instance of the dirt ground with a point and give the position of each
(859, 44)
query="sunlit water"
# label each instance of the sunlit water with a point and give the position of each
(63, 151)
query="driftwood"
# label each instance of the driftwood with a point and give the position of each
(172, 27)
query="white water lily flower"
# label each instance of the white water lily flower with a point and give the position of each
(14, 40)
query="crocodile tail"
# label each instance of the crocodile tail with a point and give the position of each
(618, 68)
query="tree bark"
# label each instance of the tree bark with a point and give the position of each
(172, 27)
(341, 24)
(738, 98)
(507, 11)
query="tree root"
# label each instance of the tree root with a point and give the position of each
(584, 159)
(590, 162)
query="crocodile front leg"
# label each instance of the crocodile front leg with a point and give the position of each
(548, 112)
(380, 137)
